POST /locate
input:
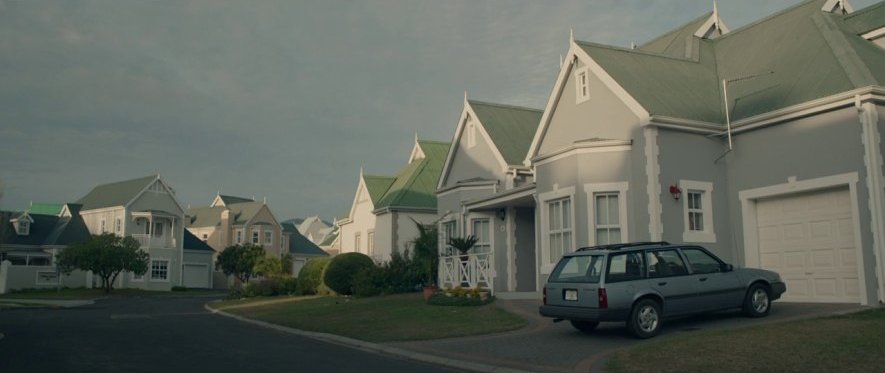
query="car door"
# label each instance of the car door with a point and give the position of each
(669, 276)
(717, 289)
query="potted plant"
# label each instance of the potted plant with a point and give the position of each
(463, 245)
(426, 253)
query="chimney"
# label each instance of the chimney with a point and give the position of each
(227, 238)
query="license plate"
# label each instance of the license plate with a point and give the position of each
(570, 294)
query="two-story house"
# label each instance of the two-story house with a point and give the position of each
(230, 220)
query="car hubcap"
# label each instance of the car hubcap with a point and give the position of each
(648, 319)
(760, 300)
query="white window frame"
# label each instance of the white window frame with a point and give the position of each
(102, 226)
(444, 236)
(490, 232)
(619, 188)
(256, 236)
(268, 237)
(558, 193)
(471, 132)
(158, 229)
(23, 227)
(370, 242)
(205, 237)
(708, 234)
(118, 225)
(357, 238)
(582, 88)
(151, 270)
(239, 236)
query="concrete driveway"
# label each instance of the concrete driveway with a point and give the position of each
(545, 346)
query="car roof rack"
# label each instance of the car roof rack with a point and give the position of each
(619, 246)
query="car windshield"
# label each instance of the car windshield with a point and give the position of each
(579, 268)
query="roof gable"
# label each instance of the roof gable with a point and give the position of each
(301, 246)
(115, 194)
(46, 208)
(510, 128)
(415, 185)
(223, 200)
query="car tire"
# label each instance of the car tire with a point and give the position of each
(757, 302)
(646, 319)
(585, 326)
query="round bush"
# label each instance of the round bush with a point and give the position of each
(311, 275)
(342, 269)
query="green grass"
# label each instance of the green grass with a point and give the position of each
(850, 343)
(83, 293)
(401, 317)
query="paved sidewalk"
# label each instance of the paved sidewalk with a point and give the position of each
(64, 303)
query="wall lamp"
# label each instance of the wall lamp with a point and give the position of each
(675, 192)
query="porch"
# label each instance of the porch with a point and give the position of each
(155, 229)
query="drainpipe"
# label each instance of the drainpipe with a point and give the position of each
(727, 110)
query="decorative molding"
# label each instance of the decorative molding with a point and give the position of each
(604, 146)
(653, 186)
(871, 140)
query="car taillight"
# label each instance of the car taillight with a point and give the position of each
(545, 295)
(603, 298)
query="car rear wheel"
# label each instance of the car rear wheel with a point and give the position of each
(645, 319)
(757, 302)
(585, 326)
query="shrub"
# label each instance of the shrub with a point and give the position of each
(441, 299)
(179, 288)
(368, 282)
(339, 274)
(267, 287)
(402, 274)
(311, 275)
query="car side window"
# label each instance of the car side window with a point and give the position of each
(625, 267)
(701, 262)
(665, 263)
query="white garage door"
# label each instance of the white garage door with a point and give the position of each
(809, 239)
(195, 276)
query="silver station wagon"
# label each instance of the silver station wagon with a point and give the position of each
(642, 283)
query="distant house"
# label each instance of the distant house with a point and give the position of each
(147, 210)
(300, 248)
(312, 227)
(382, 213)
(331, 244)
(230, 220)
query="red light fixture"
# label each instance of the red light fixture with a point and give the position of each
(675, 192)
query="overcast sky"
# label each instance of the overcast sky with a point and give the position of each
(278, 99)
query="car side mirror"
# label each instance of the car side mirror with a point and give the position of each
(727, 268)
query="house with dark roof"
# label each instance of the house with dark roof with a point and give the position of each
(146, 209)
(384, 207)
(230, 220)
(486, 191)
(300, 247)
(760, 143)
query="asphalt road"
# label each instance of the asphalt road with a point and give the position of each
(168, 335)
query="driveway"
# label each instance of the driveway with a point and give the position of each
(545, 346)
(168, 334)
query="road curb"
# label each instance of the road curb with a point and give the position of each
(372, 347)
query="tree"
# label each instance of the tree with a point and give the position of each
(427, 250)
(268, 266)
(287, 261)
(240, 261)
(106, 255)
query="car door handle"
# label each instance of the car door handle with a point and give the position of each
(702, 279)
(662, 283)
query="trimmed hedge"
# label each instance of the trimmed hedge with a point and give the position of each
(441, 299)
(310, 278)
(340, 272)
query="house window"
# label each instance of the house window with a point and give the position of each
(102, 226)
(582, 85)
(205, 237)
(697, 206)
(607, 213)
(482, 232)
(23, 228)
(449, 230)
(255, 238)
(559, 228)
(239, 236)
(159, 270)
(471, 133)
(356, 242)
(268, 238)
(118, 225)
(370, 243)
(158, 229)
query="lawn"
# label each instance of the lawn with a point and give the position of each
(850, 343)
(84, 293)
(381, 319)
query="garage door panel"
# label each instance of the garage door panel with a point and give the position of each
(809, 239)
(195, 276)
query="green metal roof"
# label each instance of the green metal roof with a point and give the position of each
(811, 53)
(115, 194)
(46, 208)
(511, 128)
(241, 213)
(415, 184)
(330, 238)
(377, 186)
(300, 245)
(673, 43)
(867, 19)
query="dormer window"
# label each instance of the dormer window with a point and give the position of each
(23, 227)
(582, 85)
(471, 133)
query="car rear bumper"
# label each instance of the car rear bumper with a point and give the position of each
(778, 289)
(583, 314)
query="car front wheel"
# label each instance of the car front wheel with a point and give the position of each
(757, 302)
(585, 326)
(645, 319)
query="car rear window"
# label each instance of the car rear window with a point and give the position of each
(582, 268)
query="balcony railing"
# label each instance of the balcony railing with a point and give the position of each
(472, 270)
(146, 240)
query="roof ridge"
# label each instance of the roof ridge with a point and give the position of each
(865, 10)
(517, 107)
(677, 28)
(436, 142)
(767, 18)
(636, 51)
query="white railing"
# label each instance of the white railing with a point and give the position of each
(468, 271)
(146, 240)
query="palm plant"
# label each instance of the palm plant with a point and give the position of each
(463, 244)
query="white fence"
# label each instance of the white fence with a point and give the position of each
(146, 240)
(472, 270)
(16, 277)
